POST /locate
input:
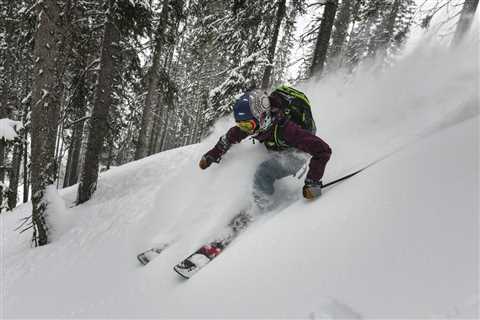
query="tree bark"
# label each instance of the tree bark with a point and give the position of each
(466, 18)
(14, 176)
(382, 41)
(102, 102)
(26, 181)
(163, 139)
(145, 135)
(2, 159)
(71, 173)
(2, 172)
(79, 106)
(197, 128)
(7, 65)
(45, 111)
(156, 127)
(342, 21)
(4, 105)
(323, 38)
(273, 44)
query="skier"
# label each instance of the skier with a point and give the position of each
(283, 122)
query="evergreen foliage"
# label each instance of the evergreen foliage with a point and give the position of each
(379, 27)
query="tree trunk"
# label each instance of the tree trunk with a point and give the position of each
(145, 136)
(163, 110)
(26, 181)
(381, 42)
(146, 129)
(323, 38)
(165, 129)
(59, 145)
(110, 153)
(45, 112)
(14, 177)
(71, 173)
(2, 160)
(340, 32)
(273, 44)
(198, 119)
(4, 114)
(7, 65)
(2, 171)
(26, 131)
(79, 106)
(156, 128)
(201, 130)
(466, 18)
(102, 102)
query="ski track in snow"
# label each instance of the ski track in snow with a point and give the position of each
(398, 240)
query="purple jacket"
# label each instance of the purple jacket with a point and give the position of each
(282, 135)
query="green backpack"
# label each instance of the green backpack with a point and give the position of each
(296, 107)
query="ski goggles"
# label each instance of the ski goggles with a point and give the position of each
(248, 126)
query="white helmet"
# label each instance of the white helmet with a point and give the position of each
(259, 103)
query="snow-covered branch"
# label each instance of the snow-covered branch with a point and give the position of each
(9, 129)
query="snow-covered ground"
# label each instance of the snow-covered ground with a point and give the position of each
(399, 240)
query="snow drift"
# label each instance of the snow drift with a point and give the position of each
(398, 240)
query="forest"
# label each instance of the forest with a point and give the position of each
(93, 84)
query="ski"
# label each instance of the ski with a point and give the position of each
(147, 256)
(206, 253)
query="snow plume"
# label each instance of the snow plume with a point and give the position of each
(431, 88)
(226, 187)
(57, 212)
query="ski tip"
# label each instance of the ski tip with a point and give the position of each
(180, 273)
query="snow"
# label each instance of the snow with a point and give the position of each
(57, 213)
(399, 240)
(25, 100)
(9, 129)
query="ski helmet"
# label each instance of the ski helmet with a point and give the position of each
(251, 106)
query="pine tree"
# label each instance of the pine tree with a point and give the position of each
(103, 100)
(45, 111)
(281, 9)
(16, 28)
(284, 52)
(323, 38)
(163, 39)
(123, 19)
(84, 43)
(340, 33)
(380, 29)
(248, 33)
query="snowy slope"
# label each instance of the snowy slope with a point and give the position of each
(398, 240)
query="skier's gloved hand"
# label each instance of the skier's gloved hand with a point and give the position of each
(206, 161)
(312, 189)
(216, 153)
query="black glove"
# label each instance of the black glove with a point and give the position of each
(215, 154)
(312, 189)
